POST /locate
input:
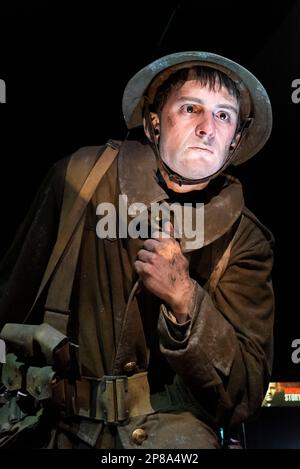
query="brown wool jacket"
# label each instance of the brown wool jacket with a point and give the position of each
(222, 356)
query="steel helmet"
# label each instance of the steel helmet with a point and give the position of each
(254, 100)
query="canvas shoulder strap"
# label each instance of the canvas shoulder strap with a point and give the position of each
(220, 264)
(84, 173)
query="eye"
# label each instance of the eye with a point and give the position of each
(223, 116)
(189, 108)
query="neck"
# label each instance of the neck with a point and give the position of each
(185, 187)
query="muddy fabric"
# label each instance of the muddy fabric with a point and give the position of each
(222, 356)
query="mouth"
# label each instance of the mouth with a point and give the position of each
(201, 149)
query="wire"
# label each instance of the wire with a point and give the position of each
(163, 35)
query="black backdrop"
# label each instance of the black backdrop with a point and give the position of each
(66, 66)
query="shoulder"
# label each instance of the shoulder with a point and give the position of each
(249, 223)
(256, 226)
(83, 156)
(252, 239)
(53, 184)
(81, 159)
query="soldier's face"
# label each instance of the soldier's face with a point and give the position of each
(197, 127)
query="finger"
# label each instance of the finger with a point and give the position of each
(142, 268)
(151, 245)
(160, 235)
(145, 256)
(168, 228)
(156, 234)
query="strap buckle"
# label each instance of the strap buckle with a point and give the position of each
(108, 400)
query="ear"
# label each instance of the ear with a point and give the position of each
(155, 124)
(235, 141)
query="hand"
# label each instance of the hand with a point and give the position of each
(164, 271)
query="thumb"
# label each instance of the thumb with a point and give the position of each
(168, 228)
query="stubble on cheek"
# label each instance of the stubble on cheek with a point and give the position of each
(175, 131)
(170, 121)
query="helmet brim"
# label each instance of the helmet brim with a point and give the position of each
(260, 107)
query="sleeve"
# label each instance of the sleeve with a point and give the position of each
(23, 266)
(224, 353)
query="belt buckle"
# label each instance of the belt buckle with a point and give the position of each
(112, 399)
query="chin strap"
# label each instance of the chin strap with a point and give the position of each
(177, 178)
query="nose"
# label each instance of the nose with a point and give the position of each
(205, 126)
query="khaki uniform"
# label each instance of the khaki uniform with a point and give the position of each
(221, 357)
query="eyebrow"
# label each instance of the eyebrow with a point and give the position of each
(200, 101)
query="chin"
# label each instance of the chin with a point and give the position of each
(196, 169)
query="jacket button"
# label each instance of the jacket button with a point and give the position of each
(130, 367)
(138, 436)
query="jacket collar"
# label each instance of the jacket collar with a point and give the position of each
(137, 168)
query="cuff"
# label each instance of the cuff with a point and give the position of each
(179, 331)
(176, 330)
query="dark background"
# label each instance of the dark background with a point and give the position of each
(66, 65)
